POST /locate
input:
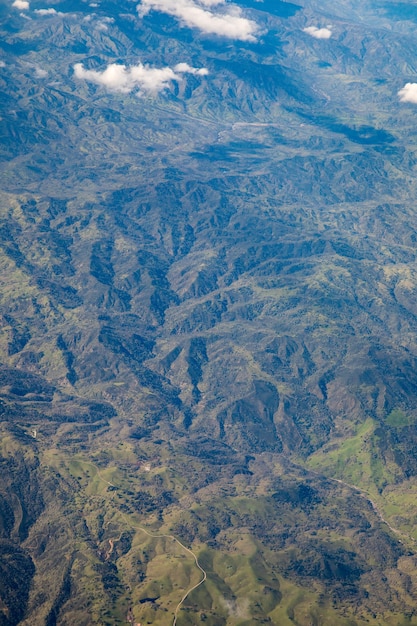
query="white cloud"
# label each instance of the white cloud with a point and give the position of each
(50, 11)
(2, 64)
(23, 5)
(213, 17)
(103, 23)
(140, 78)
(318, 33)
(99, 23)
(408, 93)
(184, 68)
(40, 73)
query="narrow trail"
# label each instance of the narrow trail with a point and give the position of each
(111, 545)
(157, 536)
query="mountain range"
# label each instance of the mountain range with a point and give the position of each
(208, 313)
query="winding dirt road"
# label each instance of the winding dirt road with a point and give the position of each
(157, 536)
(204, 573)
(375, 507)
(364, 494)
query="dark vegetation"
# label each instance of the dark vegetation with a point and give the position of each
(17, 570)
